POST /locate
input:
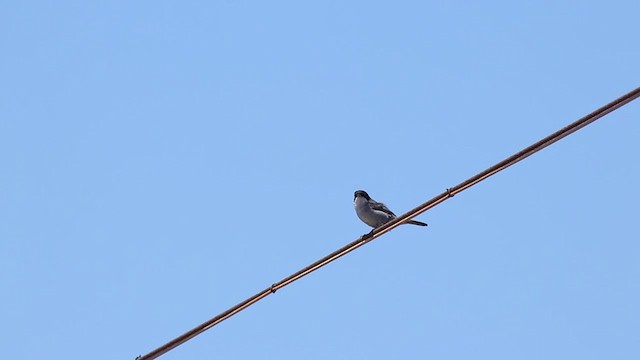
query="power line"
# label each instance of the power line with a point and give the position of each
(513, 159)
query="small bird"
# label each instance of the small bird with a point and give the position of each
(374, 213)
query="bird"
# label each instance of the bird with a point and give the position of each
(375, 213)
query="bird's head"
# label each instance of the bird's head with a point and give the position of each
(361, 193)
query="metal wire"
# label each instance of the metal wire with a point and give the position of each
(558, 135)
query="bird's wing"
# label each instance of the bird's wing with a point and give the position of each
(381, 207)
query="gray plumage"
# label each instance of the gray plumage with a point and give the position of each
(375, 213)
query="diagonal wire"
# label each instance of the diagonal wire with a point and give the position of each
(513, 159)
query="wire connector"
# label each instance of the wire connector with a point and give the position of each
(273, 288)
(450, 193)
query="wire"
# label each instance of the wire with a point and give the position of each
(449, 193)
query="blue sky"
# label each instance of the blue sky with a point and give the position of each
(162, 161)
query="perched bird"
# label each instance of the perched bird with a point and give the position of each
(374, 213)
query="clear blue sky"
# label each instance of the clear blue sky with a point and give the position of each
(162, 161)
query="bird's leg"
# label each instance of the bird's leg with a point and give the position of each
(367, 235)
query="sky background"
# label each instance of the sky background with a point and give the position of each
(162, 161)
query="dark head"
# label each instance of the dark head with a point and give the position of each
(361, 193)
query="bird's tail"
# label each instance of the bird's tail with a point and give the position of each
(414, 222)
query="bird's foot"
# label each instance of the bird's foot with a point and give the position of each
(367, 235)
